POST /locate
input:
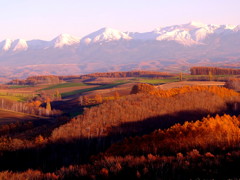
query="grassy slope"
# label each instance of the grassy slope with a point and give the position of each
(64, 85)
(19, 86)
(14, 98)
(159, 81)
(7, 116)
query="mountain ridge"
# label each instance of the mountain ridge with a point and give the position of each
(172, 48)
(186, 34)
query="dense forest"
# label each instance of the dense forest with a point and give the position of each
(187, 103)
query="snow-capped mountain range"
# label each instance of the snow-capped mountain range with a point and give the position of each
(187, 34)
(110, 49)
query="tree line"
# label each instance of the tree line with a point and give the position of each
(214, 71)
(29, 108)
(34, 80)
(120, 74)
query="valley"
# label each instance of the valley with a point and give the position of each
(115, 90)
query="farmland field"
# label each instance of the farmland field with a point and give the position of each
(190, 83)
(7, 117)
(159, 81)
(79, 91)
(64, 85)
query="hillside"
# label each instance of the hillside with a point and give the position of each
(113, 125)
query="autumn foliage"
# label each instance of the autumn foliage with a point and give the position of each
(150, 89)
(29, 108)
(150, 134)
(209, 134)
(201, 149)
(110, 117)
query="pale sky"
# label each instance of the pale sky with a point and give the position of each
(46, 19)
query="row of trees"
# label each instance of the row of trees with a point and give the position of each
(121, 74)
(214, 71)
(33, 80)
(29, 108)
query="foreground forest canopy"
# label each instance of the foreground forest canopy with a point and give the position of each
(118, 125)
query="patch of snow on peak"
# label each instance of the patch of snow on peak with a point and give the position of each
(65, 40)
(6, 44)
(105, 35)
(19, 45)
(229, 26)
(181, 36)
(237, 28)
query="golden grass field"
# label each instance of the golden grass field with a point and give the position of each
(7, 117)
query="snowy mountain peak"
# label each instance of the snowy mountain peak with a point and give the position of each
(105, 34)
(229, 26)
(196, 24)
(19, 45)
(6, 44)
(65, 40)
(237, 28)
(193, 33)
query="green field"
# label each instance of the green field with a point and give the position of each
(184, 78)
(15, 96)
(19, 86)
(64, 85)
(159, 81)
(205, 76)
(90, 89)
